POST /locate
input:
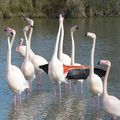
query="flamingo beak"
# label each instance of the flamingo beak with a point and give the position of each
(86, 35)
(99, 63)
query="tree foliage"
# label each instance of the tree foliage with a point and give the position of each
(52, 8)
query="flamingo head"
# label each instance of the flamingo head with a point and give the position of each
(73, 28)
(10, 32)
(19, 44)
(105, 62)
(92, 35)
(29, 21)
(61, 18)
(26, 28)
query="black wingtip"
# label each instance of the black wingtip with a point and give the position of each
(77, 27)
(86, 35)
(98, 63)
(44, 68)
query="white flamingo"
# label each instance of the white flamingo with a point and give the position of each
(36, 60)
(66, 59)
(21, 49)
(94, 81)
(15, 77)
(72, 30)
(27, 67)
(111, 104)
(55, 69)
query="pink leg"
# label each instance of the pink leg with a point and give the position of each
(30, 85)
(70, 86)
(98, 102)
(15, 100)
(19, 98)
(93, 102)
(38, 82)
(65, 87)
(81, 87)
(54, 90)
(60, 91)
(75, 87)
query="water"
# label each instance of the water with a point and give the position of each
(42, 105)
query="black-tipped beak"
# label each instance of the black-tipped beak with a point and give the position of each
(11, 33)
(24, 18)
(99, 63)
(77, 27)
(86, 35)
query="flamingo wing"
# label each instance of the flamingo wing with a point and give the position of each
(84, 73)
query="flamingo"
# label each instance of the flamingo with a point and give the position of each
(111, 104)
(66, 59)
(72, 30)
(15, 77)
(21, 49)
(55, 68)
(35, 59)
(27, 67)
(94, 81)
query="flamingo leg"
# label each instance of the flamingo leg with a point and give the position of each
(65, 87)
(54, 90)
(93, 102)
(15, 99)
(19, 98)
(81, 86)
(70, 86)
(75, 87)
(98, 105)
(60, 91)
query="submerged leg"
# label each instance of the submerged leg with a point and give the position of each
(98, 105)
(70, 86)
(54, 89)
(75, 87)
(15, 99)
(81, 86)
(60, 91)
(65, 87)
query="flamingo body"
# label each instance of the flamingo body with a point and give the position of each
(95, 84)
(16, 80)
(111, 104)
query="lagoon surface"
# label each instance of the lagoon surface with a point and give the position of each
(41, 104)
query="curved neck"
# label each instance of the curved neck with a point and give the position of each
(57, 42)
(61, 42)
(9, 54)
(92, 57)
(27, 48)
(30, 37)
(73, 50)
(105, 81)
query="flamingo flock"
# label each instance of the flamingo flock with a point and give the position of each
(61, 68)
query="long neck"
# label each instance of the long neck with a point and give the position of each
(9, 54)
(30, 37)
(61, 42)
(73, 50)
(27, 47)
(105, 81)
(57, 42)
(92, 57)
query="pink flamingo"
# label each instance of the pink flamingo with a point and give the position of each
(94, 81)
(111, 104)
(15, 77)
(27, 67)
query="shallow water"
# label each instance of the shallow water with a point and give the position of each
(41, 104)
